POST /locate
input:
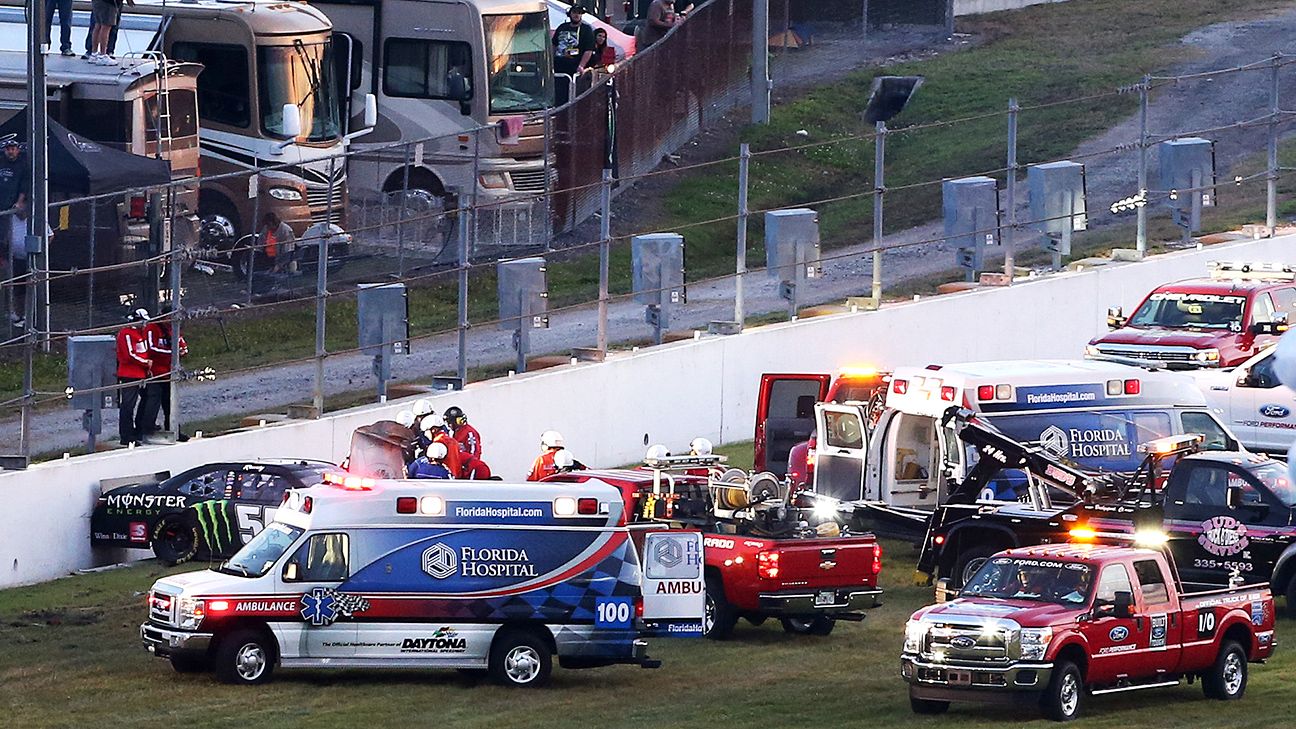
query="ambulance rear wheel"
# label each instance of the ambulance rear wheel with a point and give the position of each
(245, 657)
(520, 659)
(175, 541)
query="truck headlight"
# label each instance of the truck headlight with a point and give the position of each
(191, 613)
(287, 194)
(1208, 356)
(914, 632)
(1035, 642)
(1092, 351)
(494, 180)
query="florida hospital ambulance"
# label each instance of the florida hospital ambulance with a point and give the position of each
(1092, 412)
(366, 573)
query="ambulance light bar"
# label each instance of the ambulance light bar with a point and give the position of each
(570, 506)
(994, 392)
(931, 388)
(1251, 271)
(425, 505)
(1124, 387)
(667, 462)
(350, 483)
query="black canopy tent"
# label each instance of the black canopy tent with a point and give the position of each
(79, 166)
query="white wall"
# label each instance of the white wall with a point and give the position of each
(972, 7)
(608, 411)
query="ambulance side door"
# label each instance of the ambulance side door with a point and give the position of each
(841, 451)
(674, 594)
(313, 574)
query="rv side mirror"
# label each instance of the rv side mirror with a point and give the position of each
(1121, 608)
(460, 89)
(1115, 318)
(292, 121)
(370, 111)
(1233, 496)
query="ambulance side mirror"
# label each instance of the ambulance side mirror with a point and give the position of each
(1233, 496)
(944, 593)
(290, 572)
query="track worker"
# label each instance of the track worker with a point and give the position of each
(551, 441)
(133, 369)
(467, 436)
(434, 432)
(431, 464)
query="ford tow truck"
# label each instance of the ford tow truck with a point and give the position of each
(1053, 625)
(769, 552)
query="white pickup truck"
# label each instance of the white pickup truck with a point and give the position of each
(1260, 410)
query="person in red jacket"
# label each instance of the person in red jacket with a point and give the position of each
(433, 427)
(158, 391)
(551, 441)
(467, 436)
(133, 368)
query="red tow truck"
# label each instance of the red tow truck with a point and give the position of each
(785, 416)
(1220, 321)
(1055, 624)
(767, 552)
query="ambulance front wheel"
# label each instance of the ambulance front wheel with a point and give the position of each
(245, 657)
(520, 659)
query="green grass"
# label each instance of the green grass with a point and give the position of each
(1039, 55)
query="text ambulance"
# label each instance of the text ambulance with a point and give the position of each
(1094, 413)
(369, 573)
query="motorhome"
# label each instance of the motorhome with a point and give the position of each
(441, 69)
(260, 56)
(145, 106)
(1092, 413)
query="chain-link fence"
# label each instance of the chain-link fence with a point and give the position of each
(270, 314)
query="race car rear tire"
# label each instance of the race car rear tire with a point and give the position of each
(1227, 679)
(719, 617)
(520, 659)
(189, 664)
(175, 540)
(245, 657)
(927, 707)
(817, 625)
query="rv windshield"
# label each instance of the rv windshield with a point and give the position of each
(1184, 311)
(518, 62)
(300, 74)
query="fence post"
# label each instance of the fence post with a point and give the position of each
(90, 297)
(864, 20)
(400, 221)
(740, 254)
(254, 186)
(468, 194)
(1271, 188)
(949, 18)
(760, 79)
(1011, 238)
(605, 252)
(321, 300)
(879, 191)
(1140, 238)
(177, 315)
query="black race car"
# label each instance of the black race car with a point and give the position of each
(211, 511)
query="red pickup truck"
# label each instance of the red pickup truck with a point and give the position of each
(1219, 321)
(1056, 624)
(808, 582)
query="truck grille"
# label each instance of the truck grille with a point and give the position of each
(966, 643)
(318, 199)
(162, 608)
(531, 181)
(1148, 353)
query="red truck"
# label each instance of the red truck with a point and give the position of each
(1055, 624)
(1220, 321)
(785, 416)
(764, 569)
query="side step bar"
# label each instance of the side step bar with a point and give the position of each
(1122, 689)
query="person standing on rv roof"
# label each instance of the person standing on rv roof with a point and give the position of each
(105, 14)
(64, 8)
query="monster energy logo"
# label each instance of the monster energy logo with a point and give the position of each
(212, 517)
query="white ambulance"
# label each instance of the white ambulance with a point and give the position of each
(1092, 412)
(477, 575)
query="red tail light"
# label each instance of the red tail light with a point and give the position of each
(638, 603)
(307, 504)
(1132, 387)
(899, 387)
(985, 392)
(406, 505)
(586, 506)
(877, 558)
(138, 206)
(947, 393)
(767, 565)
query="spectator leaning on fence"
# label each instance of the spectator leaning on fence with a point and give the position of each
(661, 18)
(604, 54)
(14, 176)
(573, 43)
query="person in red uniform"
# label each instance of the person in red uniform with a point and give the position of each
(551, 441)
(474, 468)
(433, 427)
(467, 436)
(158, 391)
(133, 368)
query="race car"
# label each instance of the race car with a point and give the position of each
(211, 510)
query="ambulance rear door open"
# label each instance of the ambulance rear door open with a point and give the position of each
(841, 451)
(915, 459)
(674, 593)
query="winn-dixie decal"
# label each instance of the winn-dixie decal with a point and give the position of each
(479, 562)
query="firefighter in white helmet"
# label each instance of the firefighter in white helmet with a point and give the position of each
(432, 426)
(431, 464)
(551, 442)
(700, 447)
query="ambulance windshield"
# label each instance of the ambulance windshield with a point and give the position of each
(260, 554)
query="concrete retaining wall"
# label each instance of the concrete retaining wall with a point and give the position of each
(973, 7)
(609, 411)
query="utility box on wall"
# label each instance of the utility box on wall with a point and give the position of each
(1057, 203)
(971, 207)
(383, 313)
(523, 293)
(791, 243)
(92, 365)
(657, 274)
(1187, 168)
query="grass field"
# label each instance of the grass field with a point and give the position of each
(72, 658)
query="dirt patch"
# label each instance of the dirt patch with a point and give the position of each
(56, 617)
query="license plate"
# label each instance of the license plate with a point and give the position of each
(959, 678)
(825, 597)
